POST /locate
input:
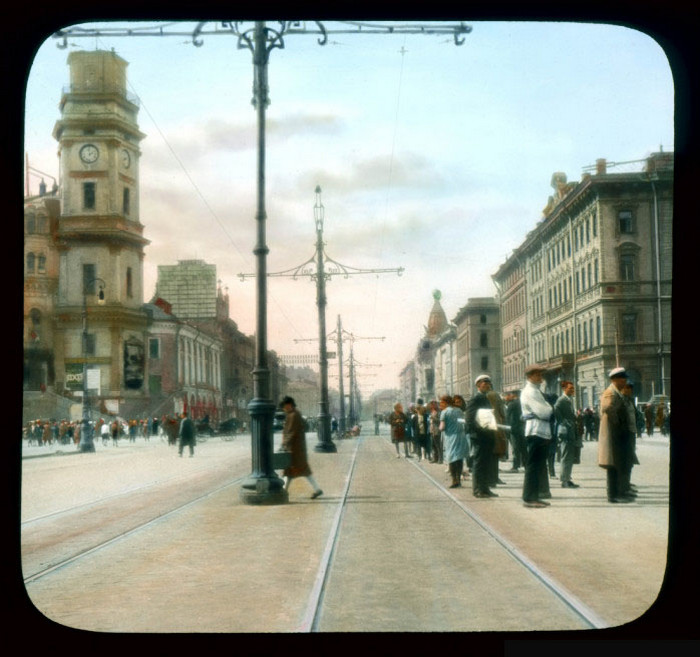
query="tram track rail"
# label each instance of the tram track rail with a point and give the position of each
(123, 535)
(590, 617)
(338, 529)
(310, 622)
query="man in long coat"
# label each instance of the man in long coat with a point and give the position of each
(186, 434)
(294, 441)
(615, 446)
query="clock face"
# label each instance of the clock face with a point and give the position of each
(89, 153)
(125, 158)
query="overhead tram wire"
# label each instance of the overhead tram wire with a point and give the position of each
(391, 171)
(196, 187)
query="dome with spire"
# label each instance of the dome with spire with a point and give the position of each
(437, 321)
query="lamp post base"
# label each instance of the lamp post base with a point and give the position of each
(327, 447)
(262, 487)
(264, 491)
(86, 444)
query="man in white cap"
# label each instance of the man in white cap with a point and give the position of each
(615, 446)
(482, 439)
(538, 435)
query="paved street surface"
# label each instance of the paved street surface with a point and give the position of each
(411, 556)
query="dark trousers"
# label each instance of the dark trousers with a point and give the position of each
(437, 448)
(551, 455)
(182, 447)
(618, 482)
(493, 469)
(536, 475)
(518, 445)
(482, 464)
(405, 446)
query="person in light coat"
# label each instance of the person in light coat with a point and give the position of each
(615, 438)
(538, 435)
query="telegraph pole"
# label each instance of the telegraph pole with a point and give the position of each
(351, 366)
(262, 486)
(321, 273)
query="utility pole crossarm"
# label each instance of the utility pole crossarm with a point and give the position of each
(208, 28)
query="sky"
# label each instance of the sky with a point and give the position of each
(431, 157)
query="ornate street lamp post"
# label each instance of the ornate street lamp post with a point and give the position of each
(86, 442)
(262, 486)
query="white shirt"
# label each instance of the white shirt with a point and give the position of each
(533, 402)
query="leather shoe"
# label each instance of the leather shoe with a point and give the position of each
(535, 505)
(621, 500)
(490, 493)
(316, 494)
(543, 502)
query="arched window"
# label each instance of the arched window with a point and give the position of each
(31, 260)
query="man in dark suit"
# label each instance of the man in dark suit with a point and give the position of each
(482, 439)
(187, 432)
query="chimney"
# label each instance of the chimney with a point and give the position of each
(600, 166)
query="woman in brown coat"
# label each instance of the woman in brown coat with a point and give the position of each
(294, 441)
(398, 421)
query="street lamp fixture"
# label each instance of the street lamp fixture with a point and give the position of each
(87, 443)
(319, 211)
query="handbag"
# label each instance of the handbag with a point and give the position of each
(281, 460)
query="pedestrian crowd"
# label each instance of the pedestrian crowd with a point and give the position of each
(176, 429)
(534, 429)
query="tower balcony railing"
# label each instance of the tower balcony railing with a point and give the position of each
(115, 89)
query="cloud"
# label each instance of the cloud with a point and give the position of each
(407, 171)
(213, 137)
(299, 124)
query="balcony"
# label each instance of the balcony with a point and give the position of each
(561, 361)
(112, 89)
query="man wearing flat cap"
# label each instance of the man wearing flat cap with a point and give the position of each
(538, 435)
(482, 439)
(615, 438)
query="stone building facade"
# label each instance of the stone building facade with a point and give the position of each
(197, 299)
(513, 320)
(99, 238)
(477, 344)
(598, 280)
(185, 366)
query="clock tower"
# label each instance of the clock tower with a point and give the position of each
(99, 305)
